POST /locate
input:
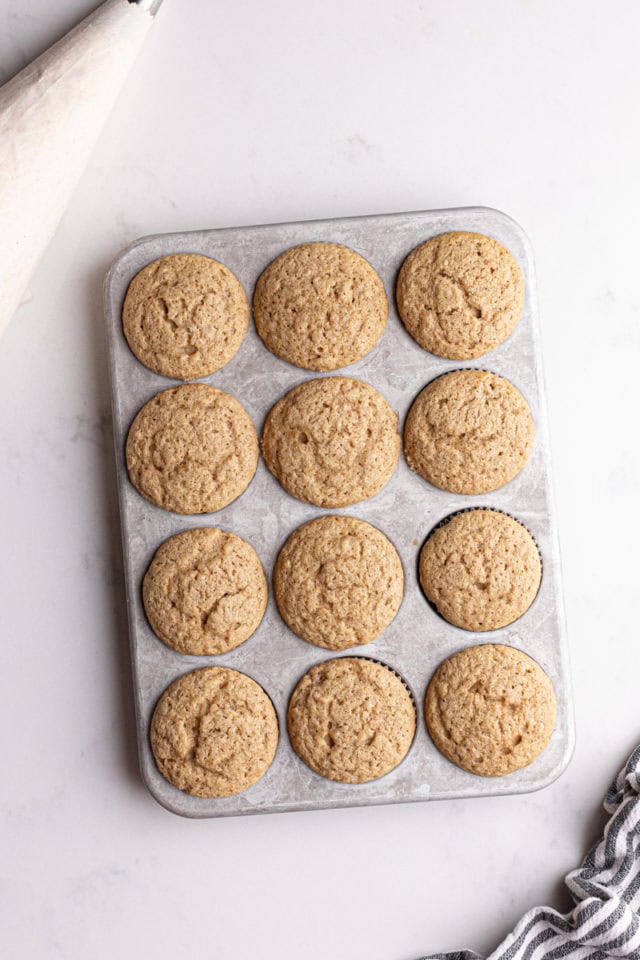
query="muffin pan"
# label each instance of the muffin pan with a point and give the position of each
(406, 510)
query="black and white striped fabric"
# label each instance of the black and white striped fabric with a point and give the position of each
(606, 919)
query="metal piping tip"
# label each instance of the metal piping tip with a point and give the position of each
(151, 6)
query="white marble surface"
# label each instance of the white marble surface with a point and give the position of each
(247, 112)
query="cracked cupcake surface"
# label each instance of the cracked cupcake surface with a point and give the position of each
(320, 306)
(490, 709)
(351, 720)
(338, 582)
(192, 449)
(460, 294)
(332, 441)
(469, 431)
(185, 316)
(205, 592)
(214, 732)
(481, 569)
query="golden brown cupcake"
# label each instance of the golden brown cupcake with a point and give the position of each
(460, 294)
(320, 306)
(351, 720)
(469, 431)
(338, 582)
(332, 442)
(185, 316)
(214, 732)
(481, 569)
(205, 592)
(490, 709)
(192, 449)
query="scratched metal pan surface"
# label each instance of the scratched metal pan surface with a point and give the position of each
(406, 510)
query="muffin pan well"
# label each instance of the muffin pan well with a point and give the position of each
(406, 510)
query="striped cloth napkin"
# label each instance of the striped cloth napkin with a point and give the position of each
(605, 921)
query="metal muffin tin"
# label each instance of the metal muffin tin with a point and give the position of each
(407, 509)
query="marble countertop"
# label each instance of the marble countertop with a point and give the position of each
(253, 113)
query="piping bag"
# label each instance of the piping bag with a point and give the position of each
(51, 115)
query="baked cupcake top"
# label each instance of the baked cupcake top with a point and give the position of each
(332, 441)
(320, 306)
(205, 591)
(338, 582)
(469, 431)
(490, 709)
(481, 569)
(185, 316)
(214, 732)
(192, 449)
(460, 294)
(351, 720)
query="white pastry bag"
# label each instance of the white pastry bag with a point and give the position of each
(51, 115)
